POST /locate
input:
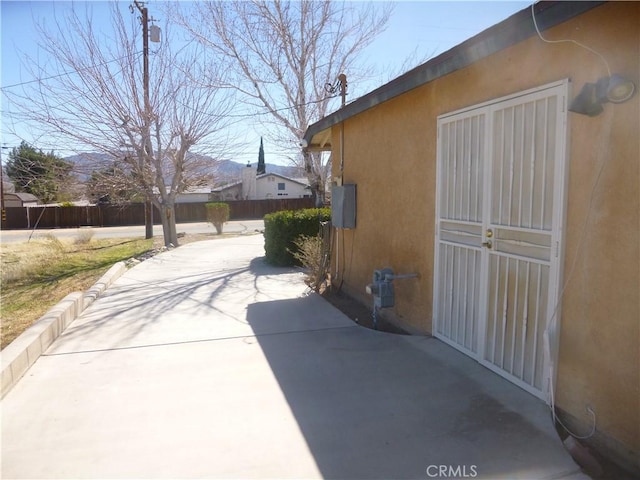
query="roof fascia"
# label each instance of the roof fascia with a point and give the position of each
(226, 187)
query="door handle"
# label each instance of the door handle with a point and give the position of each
(487, 244)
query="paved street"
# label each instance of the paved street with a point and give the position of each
(204, 362)
(236, 226)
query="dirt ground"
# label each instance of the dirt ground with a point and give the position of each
(358, 312)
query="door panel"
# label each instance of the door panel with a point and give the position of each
(516, 319)
(461, 177)
(523, 161)
(522, 188)
(500, 211)
(459, 296)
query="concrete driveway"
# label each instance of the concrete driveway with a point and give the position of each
(203, 362)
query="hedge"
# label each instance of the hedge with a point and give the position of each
(217, 214)
(282, 229)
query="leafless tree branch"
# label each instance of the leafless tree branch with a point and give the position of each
(282, 54)
(100, 105)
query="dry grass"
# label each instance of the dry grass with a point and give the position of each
(37, 275)
(84, 237)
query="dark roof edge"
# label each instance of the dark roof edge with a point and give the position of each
(510, 31)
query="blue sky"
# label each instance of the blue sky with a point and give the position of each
(420, 28)
(432, 27)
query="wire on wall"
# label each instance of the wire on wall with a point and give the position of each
(575, 42)
(603, 157)
(552, 324)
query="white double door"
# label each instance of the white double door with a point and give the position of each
(499, 225)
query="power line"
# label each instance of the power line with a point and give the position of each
(266, 112)
(64, 74)
(234, 151)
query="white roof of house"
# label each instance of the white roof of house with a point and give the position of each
(226, 187)
(196, 190)
(25, 197)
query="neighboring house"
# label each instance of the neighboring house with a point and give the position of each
(272, 185)
(489, 172)
(194, 195)
(20, 200)
(229, 192)
(191, 195)
(262, 187)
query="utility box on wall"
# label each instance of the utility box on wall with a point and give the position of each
(343, 206)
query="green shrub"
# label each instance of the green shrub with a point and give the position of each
(217, 214)
(282, 229)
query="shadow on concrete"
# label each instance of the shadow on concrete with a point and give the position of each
(375, 405)
(140, 303)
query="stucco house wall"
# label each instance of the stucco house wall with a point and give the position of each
(390, 153)
(262, 187)
(271, 185)
(196, 196)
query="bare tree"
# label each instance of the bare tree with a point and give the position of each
(90, 96)
(282, 54)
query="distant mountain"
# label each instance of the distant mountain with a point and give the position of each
(224, 171)
(84, 164)
(228, 171)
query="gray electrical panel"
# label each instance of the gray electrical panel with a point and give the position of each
(343, 206)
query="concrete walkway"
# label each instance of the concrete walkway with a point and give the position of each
(203, 362)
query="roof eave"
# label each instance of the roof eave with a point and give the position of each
(510, 31)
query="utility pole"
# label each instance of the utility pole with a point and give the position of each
(3, 219)
(144, 19)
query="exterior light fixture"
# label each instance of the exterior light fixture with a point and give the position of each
(614, 89)
(586, 103)
(619, 89)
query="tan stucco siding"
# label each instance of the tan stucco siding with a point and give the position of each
(600, 338)
(599, 363)
(390, 153)
(395, 182)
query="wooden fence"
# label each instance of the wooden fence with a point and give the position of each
(133, 214)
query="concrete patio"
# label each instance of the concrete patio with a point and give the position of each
(204, 362)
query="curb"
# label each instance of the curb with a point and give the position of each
(20, 354)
